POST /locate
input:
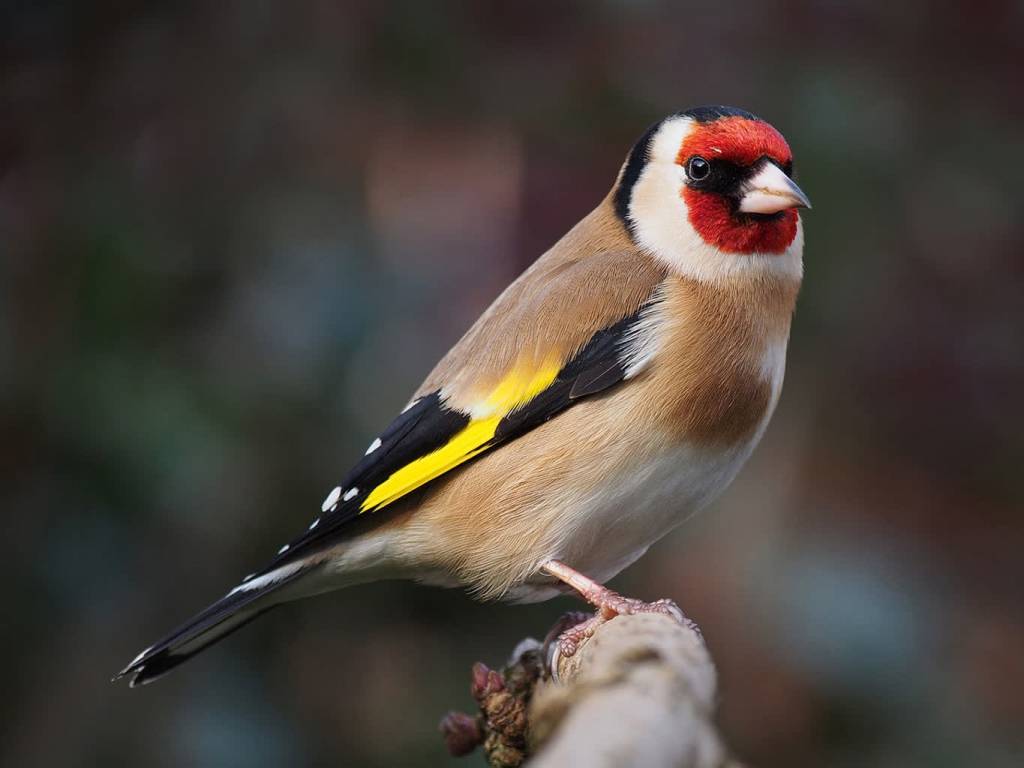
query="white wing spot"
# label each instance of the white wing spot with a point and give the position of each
(248, 576)
(350, 494)
(331, 500)
(410, 405)
(283, 549)
(314, 524)
(373, 447)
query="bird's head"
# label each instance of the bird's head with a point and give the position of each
(710, 191)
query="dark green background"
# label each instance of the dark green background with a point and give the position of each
(235, 235)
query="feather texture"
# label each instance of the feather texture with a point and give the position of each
(611, 390)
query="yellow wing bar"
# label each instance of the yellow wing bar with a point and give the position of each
(516, 389)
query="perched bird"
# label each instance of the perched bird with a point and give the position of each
(616, 387)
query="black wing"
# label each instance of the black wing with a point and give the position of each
(429, 424)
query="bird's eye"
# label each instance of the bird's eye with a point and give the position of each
(698, 169)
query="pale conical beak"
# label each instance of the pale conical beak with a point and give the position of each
(770, 190)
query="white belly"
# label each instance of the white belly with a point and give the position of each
(616, 523)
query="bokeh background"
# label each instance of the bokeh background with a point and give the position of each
(235, 235)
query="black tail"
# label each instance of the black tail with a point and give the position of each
(236, 609)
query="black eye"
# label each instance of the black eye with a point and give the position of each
(698, 168)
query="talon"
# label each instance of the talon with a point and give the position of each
(609, 604)
(665, 607)
(565, 643)
(565, 622)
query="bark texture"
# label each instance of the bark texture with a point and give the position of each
(640, 691)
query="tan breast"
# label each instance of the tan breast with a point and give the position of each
(581, 486)
(714, 378)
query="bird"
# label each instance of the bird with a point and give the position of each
(611, 391)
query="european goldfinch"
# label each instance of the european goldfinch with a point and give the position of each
(616, 387)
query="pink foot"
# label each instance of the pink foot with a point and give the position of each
(573, 629)
(569, 632)
(610, 606)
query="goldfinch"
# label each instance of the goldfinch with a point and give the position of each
(612, 390)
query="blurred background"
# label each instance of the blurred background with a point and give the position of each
(234, 236)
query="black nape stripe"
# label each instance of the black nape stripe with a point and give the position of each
(640, 154)
(635, 163)
(711, 112)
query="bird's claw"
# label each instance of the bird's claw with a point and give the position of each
(616, 605)
(573, 629)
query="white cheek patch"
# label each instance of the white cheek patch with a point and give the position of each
(661, 224)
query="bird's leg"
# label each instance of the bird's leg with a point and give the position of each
(608, 603)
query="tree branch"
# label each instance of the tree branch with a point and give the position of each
(639, 691)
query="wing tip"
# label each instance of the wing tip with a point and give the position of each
(149, 666)
(138, 668)
(237, 607)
